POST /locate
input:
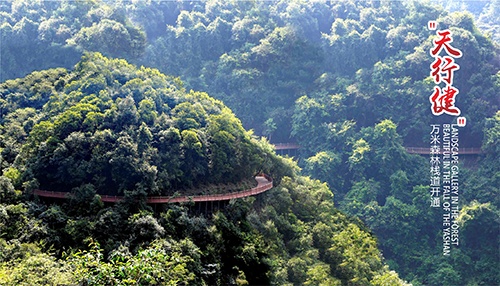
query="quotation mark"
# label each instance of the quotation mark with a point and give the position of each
(432, 25)
(461, 121)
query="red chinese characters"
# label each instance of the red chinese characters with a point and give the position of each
(444, 102)
(443, 43)
(438, 67)
(442, 70)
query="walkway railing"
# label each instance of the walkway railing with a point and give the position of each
(413, 150)
(264, 183)
(286, 146)
(427, 150)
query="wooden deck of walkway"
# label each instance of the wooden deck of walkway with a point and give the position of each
(411, 150)
(286, 146)
(427, 151)
(264, 183)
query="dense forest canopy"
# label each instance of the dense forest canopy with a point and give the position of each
(107, 127)
(37, 35)
(114, 128)
(347, 80)
(267, 53)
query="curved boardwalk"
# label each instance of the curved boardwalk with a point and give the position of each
(264, 183)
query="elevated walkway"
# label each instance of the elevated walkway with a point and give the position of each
(286, 146)
(411, 150)
(264, 183)
(427, 151)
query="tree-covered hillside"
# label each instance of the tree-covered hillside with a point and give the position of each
(107, 127)
(349, 81)
(372, 56)
(37, 35)
(115, 128)
(269, 53)
(486, 14)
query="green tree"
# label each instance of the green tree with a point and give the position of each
(154, 264)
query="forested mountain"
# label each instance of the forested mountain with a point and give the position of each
(347, 80)
(486, 14)
(265, 54)
(107, 127)
(272, 53)
(37, 35)
(117, 128)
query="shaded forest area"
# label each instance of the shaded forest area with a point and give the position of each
(347, 80)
